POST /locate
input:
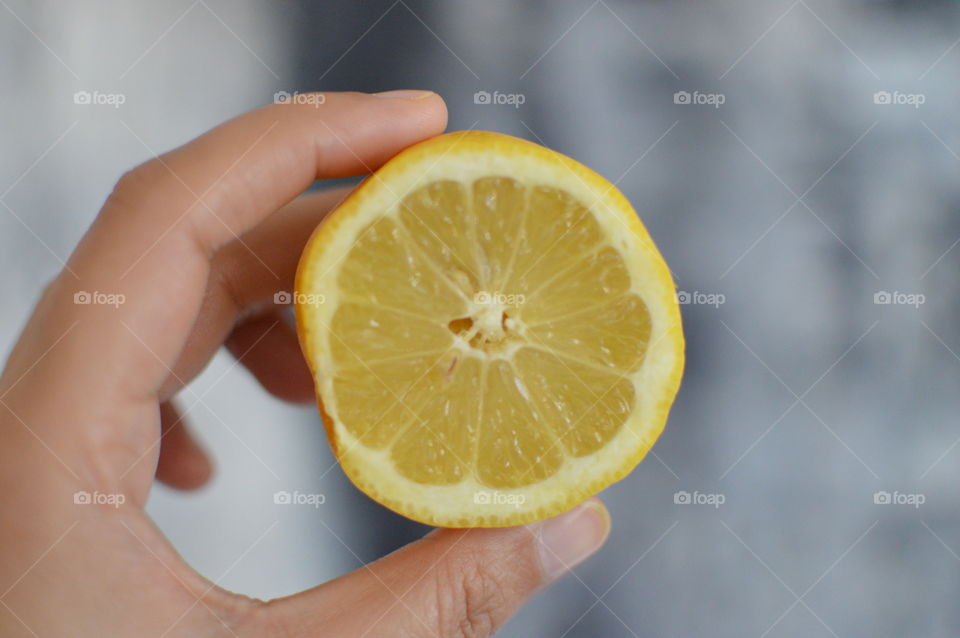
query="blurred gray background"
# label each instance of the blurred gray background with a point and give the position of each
(826, 183)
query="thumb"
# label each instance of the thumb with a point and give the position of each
(462, 583)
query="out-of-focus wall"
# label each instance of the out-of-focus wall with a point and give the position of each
(790, 205)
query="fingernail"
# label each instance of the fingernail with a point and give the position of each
(405, 94)
(567, 540)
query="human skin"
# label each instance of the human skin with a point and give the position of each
(85, 400)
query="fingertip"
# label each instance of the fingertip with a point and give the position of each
(437, 111)
(197, 471)
(430, 108)
(567, 540)
(191, 471)
(183, 464)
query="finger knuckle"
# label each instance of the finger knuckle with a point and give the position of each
(469, 599)
(135, 179)
(133, 187)
(154, 185)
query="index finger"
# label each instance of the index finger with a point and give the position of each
(146, 257)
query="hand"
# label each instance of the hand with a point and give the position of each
(192, 247)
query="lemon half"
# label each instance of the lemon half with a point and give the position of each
(493, 334)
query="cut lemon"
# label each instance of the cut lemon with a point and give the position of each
(493, 334)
